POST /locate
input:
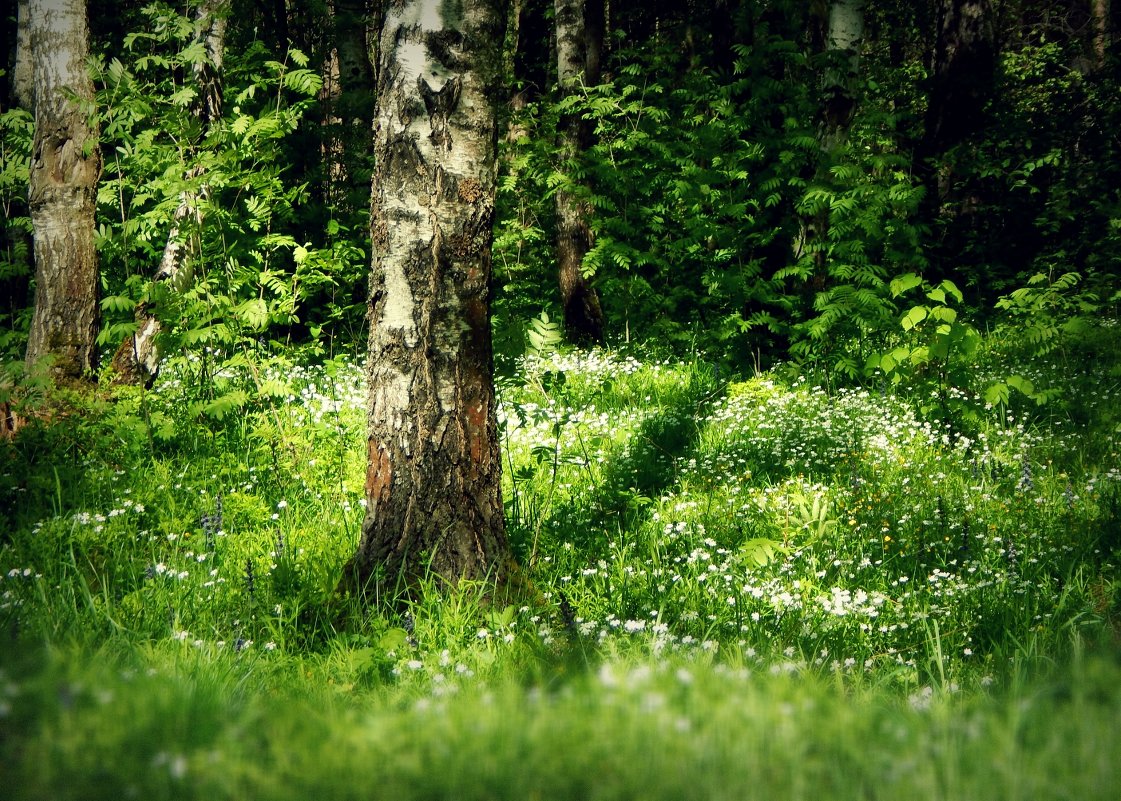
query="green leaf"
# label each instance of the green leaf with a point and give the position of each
(117, 303)
(761, 551)
(951, 288)
(1022, 384)
(393, 640)
(222, 405)
(943, 314)
(913, 317)
(997, 394)
(904, 283)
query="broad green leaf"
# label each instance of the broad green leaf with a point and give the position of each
(904, 283)
(1022, 384)
(913, 317)
(951, 288)
(944, 314)
(996, 394)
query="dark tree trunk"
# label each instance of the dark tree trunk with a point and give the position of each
(433, 492)
(962, 76)
(348, 106)
(65, 166)
(583, 316)
(722, 30)
(595, 23)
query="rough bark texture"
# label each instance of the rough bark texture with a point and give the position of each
(433, 483)
(137, 359)
(22, 81)
(583, 317)
(1103, 30)
(65, 165)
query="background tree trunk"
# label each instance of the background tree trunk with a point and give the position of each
(433, 481)
(583, 317)
(348, 105)
(138, 358)
(65, 166)
(962, 76)
(22, 81)
(839, 30)
(963, 71)
(1103, 30)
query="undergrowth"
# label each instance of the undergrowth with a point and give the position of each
(743, 588)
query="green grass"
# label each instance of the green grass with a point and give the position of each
(756, 589)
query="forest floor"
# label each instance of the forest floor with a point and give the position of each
(757, 587)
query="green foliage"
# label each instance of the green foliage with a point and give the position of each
(937, 345)
(685, 184)
(543, 336)
(220, 192)
(1050, 309)
(16, 135)
(860, 228)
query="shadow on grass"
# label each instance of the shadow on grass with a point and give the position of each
(636, 475)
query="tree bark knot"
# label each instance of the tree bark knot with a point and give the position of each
(470, 190)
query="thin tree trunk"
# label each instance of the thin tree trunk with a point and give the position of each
(65, 166)
(1103, 30)
(583, 317)
(963, 69)
(722, 29)
(138, 357)
(433, 491)
(839, 28)
(347, 89)
(595, 24)
(22, 80)
(845, 33)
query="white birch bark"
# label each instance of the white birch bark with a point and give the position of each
(23, 84)
(432, 484)
(65, 166)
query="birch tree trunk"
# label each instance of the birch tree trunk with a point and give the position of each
(62, 191)
(23, 84)
(138, 357)
(844, 35)
(583, 317)
(433, 490)
(839, 29)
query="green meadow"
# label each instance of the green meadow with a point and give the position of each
(736, 587)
